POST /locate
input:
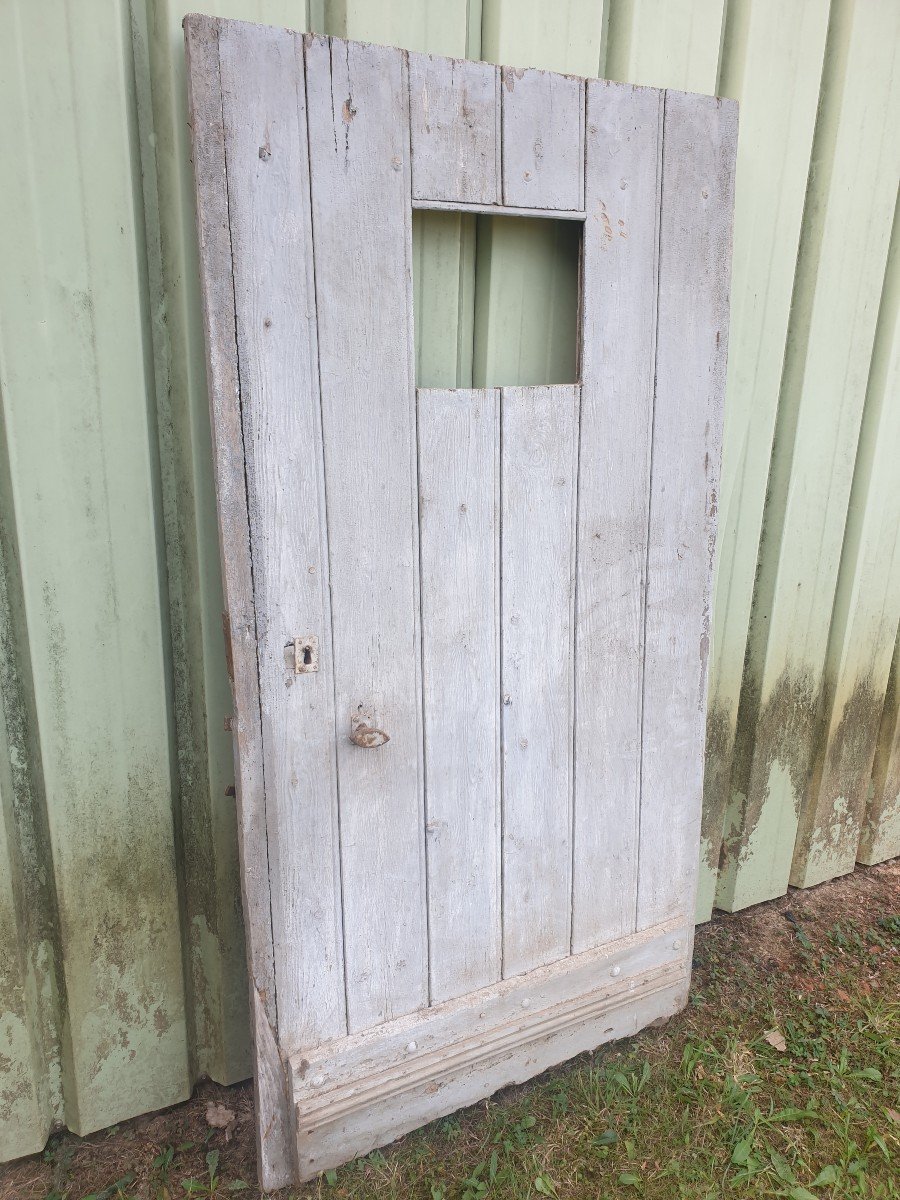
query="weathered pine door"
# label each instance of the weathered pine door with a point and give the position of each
(468, 629)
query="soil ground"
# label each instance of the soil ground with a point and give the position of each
(780, 1078)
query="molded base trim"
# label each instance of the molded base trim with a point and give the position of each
(366, 1090)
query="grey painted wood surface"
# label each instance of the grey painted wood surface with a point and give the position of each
(454, 129)
(373, 1087)
(480, 797)
(622, 193)
(275, 1144)
(359, 157)
(543, 139)
(501, 210)
(538, 469)
(699, 144)
(264, 109)
(459, 471)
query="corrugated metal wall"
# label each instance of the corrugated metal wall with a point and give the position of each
(121, 957)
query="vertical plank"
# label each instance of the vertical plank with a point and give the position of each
(622, 188)
(459, 446)
(880, 839)
(543, 139)
(539, 466)
(264, 111)
(699, 146)
(840, 275)
(443, 244)
(359, 156)
(865, 619)
(772, 64)
(526, 293)
(274, 1135)
(662, 43)
(454, 130)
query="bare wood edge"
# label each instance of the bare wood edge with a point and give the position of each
(366, 1090)
(498, 132)
(729, 118)
(276, 1148)
(416, 511)
(499, 210)
(582, 144)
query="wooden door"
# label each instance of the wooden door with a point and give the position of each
(468, 630)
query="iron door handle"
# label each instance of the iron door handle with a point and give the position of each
(367, 736)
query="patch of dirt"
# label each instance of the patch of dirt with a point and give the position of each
(768, 940)
(772, 933)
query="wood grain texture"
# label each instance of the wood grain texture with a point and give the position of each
(372, 1088)
(275, 1145)
(500, 210)
(264, 107)
(443, 251)
(454, 129)
(622, 186)
(699, 144)
(543, 139)
(459, 473)
(359, 157)
(539, 467)
(447, 1026)
(526, 294)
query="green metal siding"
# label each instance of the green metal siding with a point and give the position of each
(121, 946)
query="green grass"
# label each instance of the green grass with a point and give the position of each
(781, 1079)
(705, 1107)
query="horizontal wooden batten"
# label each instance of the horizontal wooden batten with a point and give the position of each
(501, 210)
(355, 1093)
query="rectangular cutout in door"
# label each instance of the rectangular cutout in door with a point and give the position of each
(496, 299)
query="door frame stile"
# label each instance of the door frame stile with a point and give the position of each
(276, 1145)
